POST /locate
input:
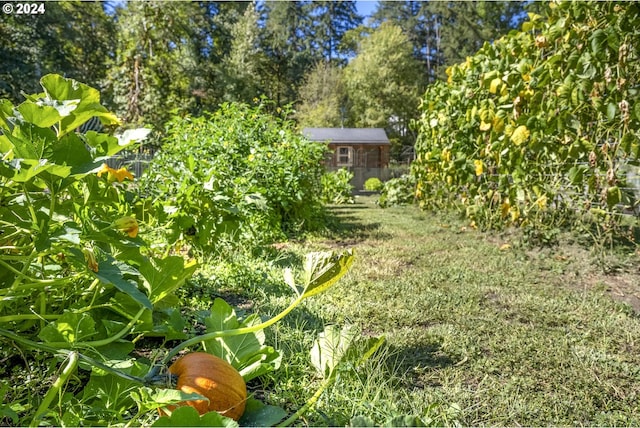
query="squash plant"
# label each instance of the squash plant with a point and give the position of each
(72, 271)
(541, 126)
(79, 286)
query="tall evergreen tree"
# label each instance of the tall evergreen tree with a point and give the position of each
(465, 26)
(287, 46)
(72, 38)
(156, 60)
(214, 43)
(331, 21)
(416, 22)
(446, 32)
(244, 65)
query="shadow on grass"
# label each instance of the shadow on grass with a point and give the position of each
(343, 208)
(415, 361)
(342, 224)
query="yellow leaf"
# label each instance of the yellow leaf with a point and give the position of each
(515, 213)
(520, 135)
(479, 167)
(446, 155)
(504, 247)
(485, 126)
(486, 115)
(449, 71)
(498, 124)
(495, 85)
(508, 130)
(504, 209)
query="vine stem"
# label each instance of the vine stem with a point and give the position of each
(66, 352)
(235, 332)
(108, 340)
(55, 388)
(310, 402)
(22, 317)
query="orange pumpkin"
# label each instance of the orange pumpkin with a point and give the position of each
(214, 378)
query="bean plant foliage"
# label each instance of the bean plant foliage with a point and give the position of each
(238, 175)
(82, 286)
(540, 126)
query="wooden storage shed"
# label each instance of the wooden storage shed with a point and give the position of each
(363, 151)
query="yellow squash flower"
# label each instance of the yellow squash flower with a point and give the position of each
(127, 224)
(90, 258)
(114, 174)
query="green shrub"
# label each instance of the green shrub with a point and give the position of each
(337, 188)
(373, 184)
(238, 177)
(398, 191)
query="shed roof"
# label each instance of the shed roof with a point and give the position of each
(348, 135)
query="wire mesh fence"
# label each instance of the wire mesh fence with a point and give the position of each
(136, 162)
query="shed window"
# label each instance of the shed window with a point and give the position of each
(345, 156)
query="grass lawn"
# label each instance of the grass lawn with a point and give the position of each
(478, 333)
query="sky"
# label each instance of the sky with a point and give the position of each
(366, 7)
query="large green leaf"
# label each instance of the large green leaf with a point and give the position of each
(246, 352)
(324, 269)
(31, 142)
(111, 271)
(164, 276)
(70, 328)
(169, 323)
(111, 392)
(337, 345)
(71, 151)
(105, 144)
(258, 414)
(331, 347)
(29, 168)
(6, 114)
(187, 416)
(61, 88)
(43, 116)
(58, 88)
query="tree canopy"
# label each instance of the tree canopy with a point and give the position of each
(154, 59)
